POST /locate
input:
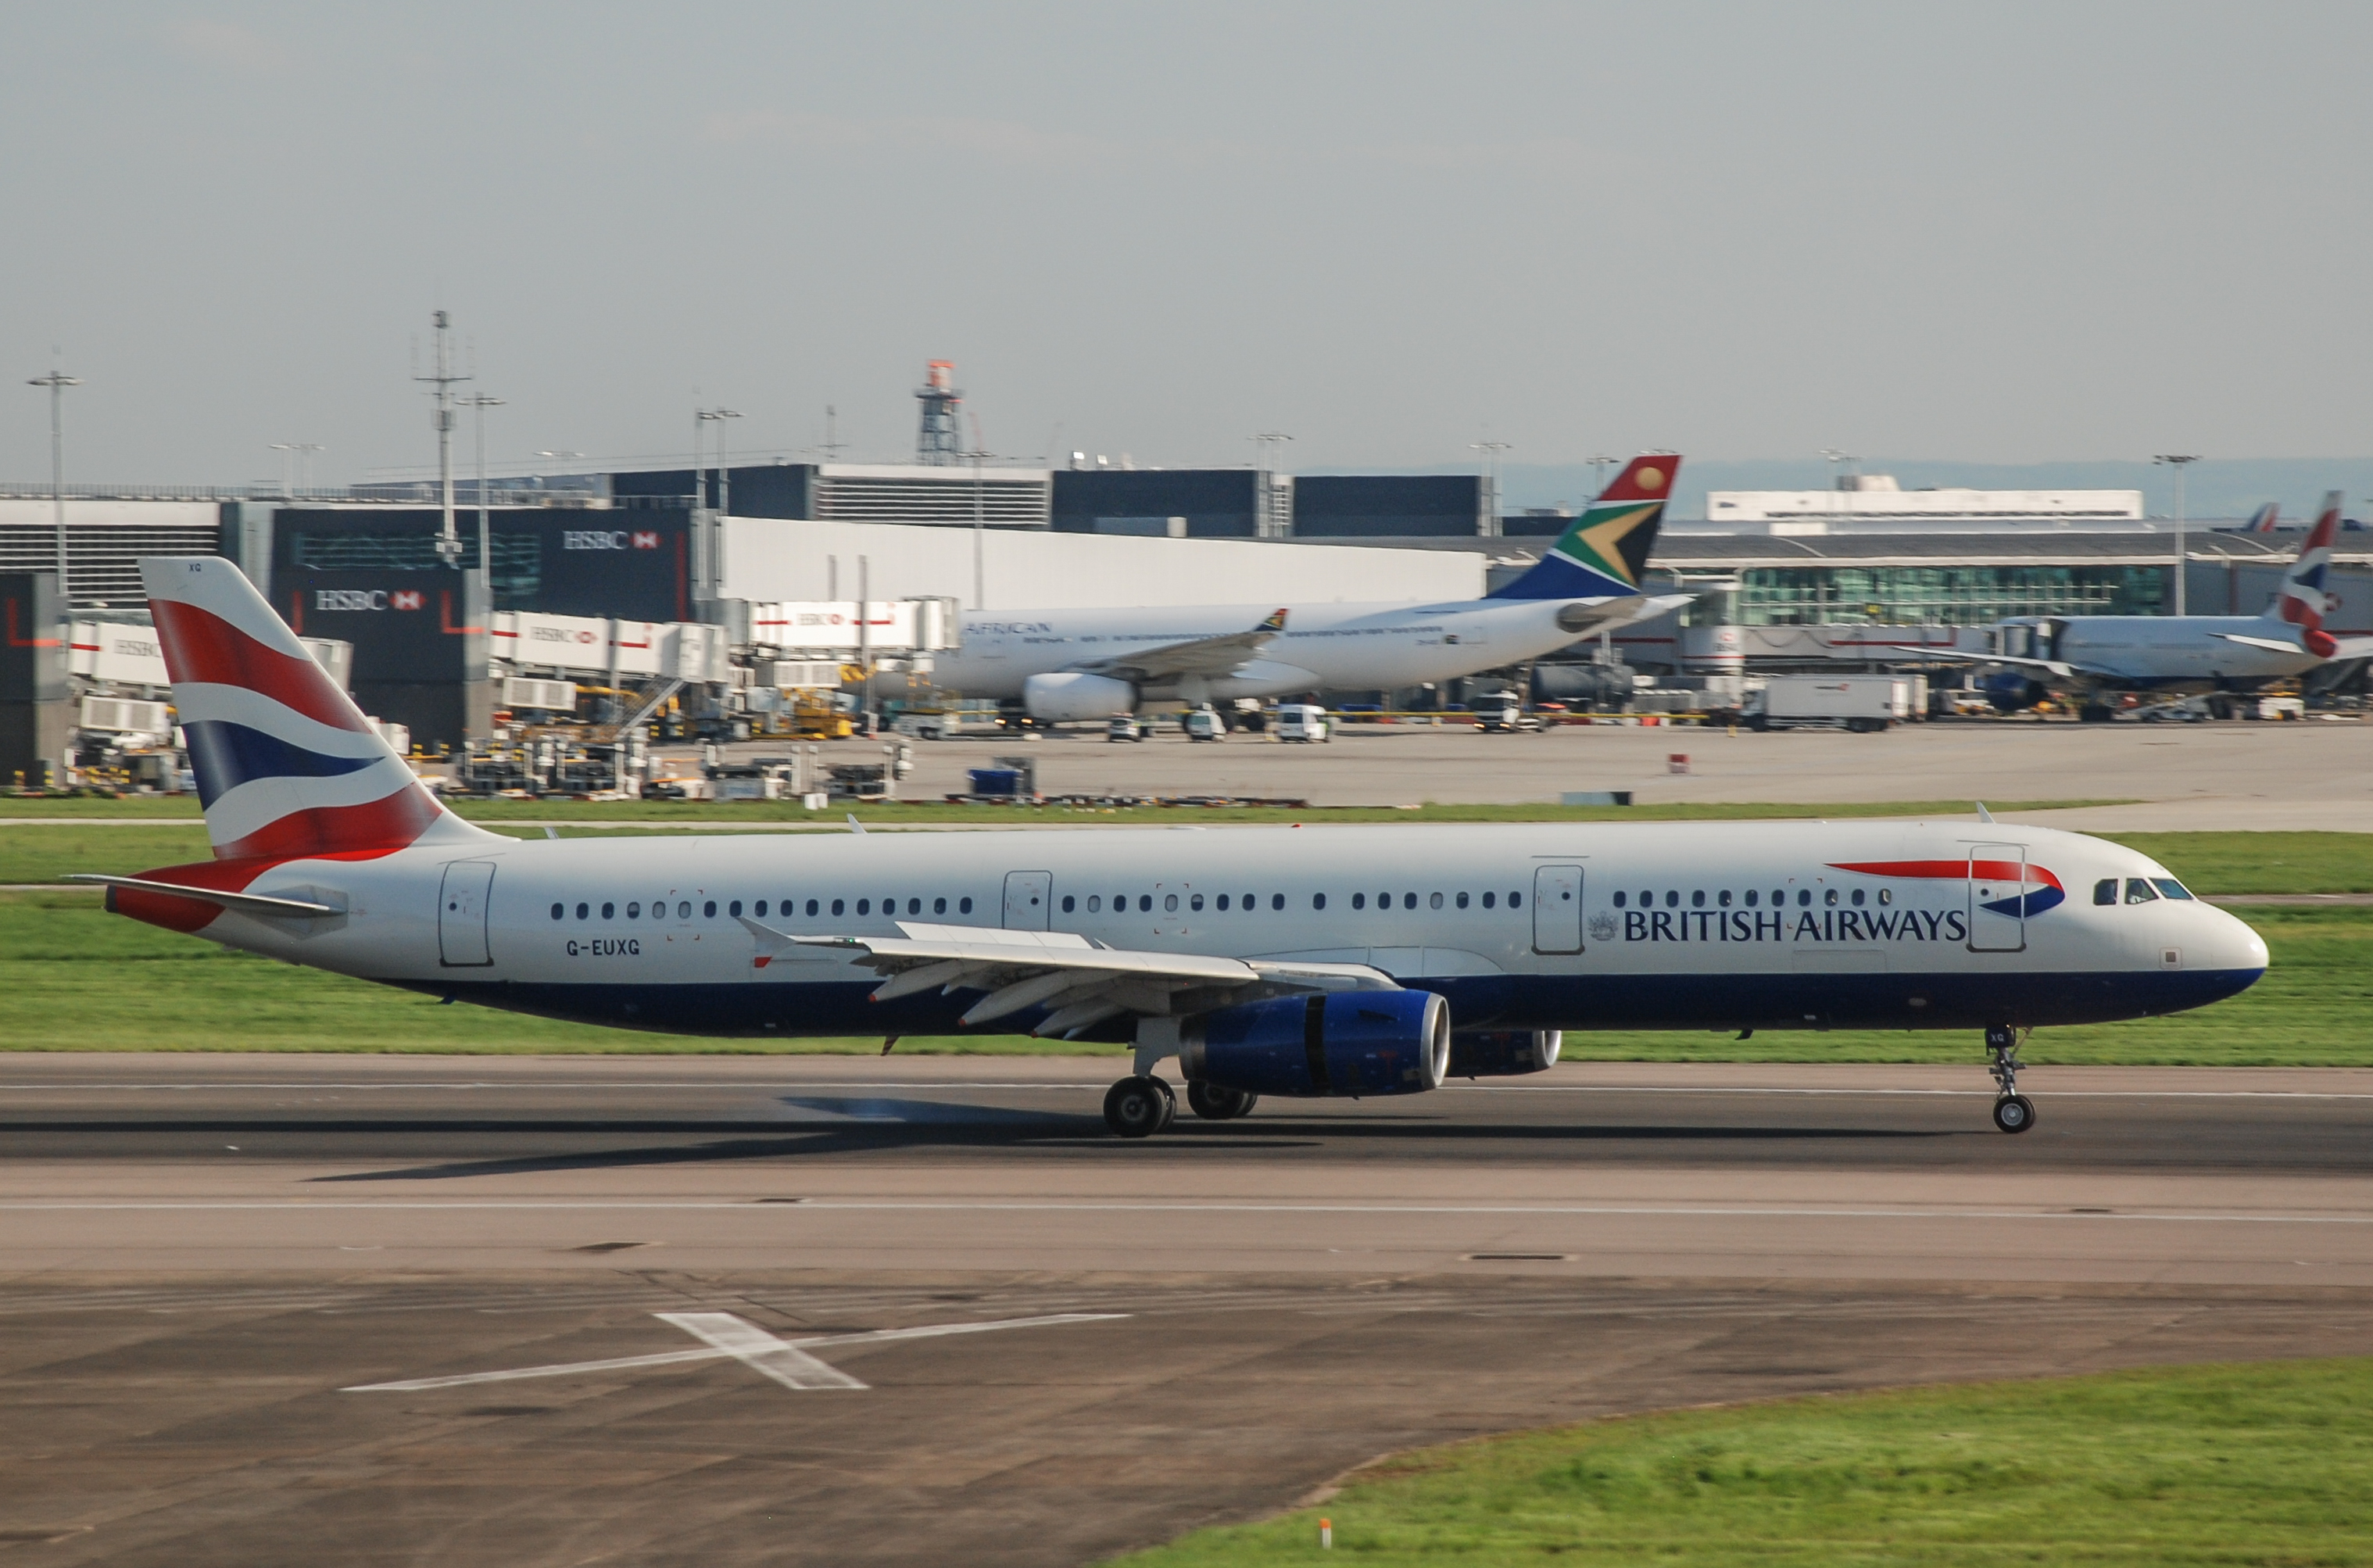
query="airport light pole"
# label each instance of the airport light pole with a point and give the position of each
(449, 543)
(58, 381)
(2179, 462)
(298, 455)
(1838, 460)
(700, 417)
(486, 561)
(1598, 466)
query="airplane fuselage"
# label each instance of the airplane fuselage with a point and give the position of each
(1544, 926)
(1362, 647)
(2172, 653)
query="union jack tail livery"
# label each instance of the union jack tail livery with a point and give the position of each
(2302, 602)
(287, 766)
(1606, 551)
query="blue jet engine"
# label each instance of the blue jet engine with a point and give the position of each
(1336, 1044)
(1504, 1053)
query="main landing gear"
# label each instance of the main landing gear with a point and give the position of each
(1143, 1106)
(2013, 1112)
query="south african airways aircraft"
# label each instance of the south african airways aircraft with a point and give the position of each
(1348, 961)
(1080, 664)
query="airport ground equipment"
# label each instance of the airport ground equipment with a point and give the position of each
(1862, 704)
(1303, 723)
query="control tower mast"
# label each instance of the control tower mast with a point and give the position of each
(939, 443)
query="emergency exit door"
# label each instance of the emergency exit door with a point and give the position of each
(462, 914)
(1997, 897)
(1027, 894)
(1557, 910)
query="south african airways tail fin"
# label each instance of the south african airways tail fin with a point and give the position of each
(287, 766)
(1605, 554)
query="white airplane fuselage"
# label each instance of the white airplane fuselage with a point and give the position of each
(1363, 646)
(1542, 926)
(2161, 652)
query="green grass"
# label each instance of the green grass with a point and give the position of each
(80, 979)
(2265, 1464)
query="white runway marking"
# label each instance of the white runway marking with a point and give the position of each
(730, 1338)
(921, 1088)
(813, 1205)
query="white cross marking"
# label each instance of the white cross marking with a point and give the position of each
(730, 1338)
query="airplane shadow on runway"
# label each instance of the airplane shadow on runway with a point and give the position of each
(910, 1125)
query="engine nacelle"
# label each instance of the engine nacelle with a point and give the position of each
(2010, 691)
(1504, 1053)
(1075, 695)
(1340, 1043)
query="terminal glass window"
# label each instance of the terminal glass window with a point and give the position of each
(1941, 595)
(517, 558)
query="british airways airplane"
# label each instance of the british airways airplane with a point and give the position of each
(1347, 962)
(1082, 664)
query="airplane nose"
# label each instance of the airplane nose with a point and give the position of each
(2230, 943)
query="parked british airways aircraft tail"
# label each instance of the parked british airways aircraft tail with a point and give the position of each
(1606, 551)
(2302, 601)
(287, 768)
(2267, 519)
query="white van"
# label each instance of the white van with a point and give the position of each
(1302, 721)
(1203, 724)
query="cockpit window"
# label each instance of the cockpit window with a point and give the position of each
(2139, 891)
(2170, 887)
(2106, 891)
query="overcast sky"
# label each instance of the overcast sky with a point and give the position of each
(2004, 233)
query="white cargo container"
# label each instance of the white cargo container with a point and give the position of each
(1860, 703)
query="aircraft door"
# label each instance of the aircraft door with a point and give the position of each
(1997, 897)
(1557, 910)
(462, 914)
(1028, 898)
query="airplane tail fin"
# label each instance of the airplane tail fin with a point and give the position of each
(1605, 554)
(2266, 519)
(287, 766)
(2302, 601)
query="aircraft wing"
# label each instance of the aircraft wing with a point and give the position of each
(2067, 672)
(1078, 982)
(1588, 615)
(1204, 656)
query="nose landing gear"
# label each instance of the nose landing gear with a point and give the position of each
(2013, 1112)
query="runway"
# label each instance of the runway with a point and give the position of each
(199, 1256)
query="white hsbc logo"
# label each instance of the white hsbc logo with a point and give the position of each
(609, 539)
(366, 599)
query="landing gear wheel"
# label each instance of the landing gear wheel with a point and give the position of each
(1215, 1102)
(2013, 1113)
(1138, 1107)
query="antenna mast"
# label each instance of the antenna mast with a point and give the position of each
(449, 543)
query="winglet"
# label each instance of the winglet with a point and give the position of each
(1276, 623)
(1984, 814)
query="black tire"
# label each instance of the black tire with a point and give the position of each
(1215, 1102)
(1169, 1103)
(1138, 1107)
(2013, 1113)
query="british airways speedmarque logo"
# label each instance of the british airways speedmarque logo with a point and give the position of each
(2018, 889)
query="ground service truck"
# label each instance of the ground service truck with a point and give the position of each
(1860, 703)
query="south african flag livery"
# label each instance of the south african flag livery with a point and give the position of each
(1605, 554)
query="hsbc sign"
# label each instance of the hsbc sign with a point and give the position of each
(367, 599)
(609, 539)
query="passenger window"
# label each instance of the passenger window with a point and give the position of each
(761, 909)
(1096, 903)
(709, 908)
(1696, 898)
(1753, 897)
(1830, 896)
(1724, 899)
(1515, 901)
(939, 906)
(1803, 897)
(2140, 891)
(1779, 896)
(964, 906)
(1358, 901)
(2169, 886)
(555, 911)
(1433, 901)
(1277, 901)
(1317, 900)
(735, 908)
(1462, 901)
(683, 909)
(865, 906)
(1067, 903)
(914, 906)
(1170, 903)
(1145, 903)
(1409, 900)
(1887, 896)
(1492, 898)
(812, 906)
(1251, 903)
(1195, 902)
(1672, 898)
(1857, 897)
(1618, 897)
(609, 911)
(581, 911)
(837, 905)
(633, 911)
(1223, 905)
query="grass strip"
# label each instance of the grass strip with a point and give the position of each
(2265, 1463)
(81, 979)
